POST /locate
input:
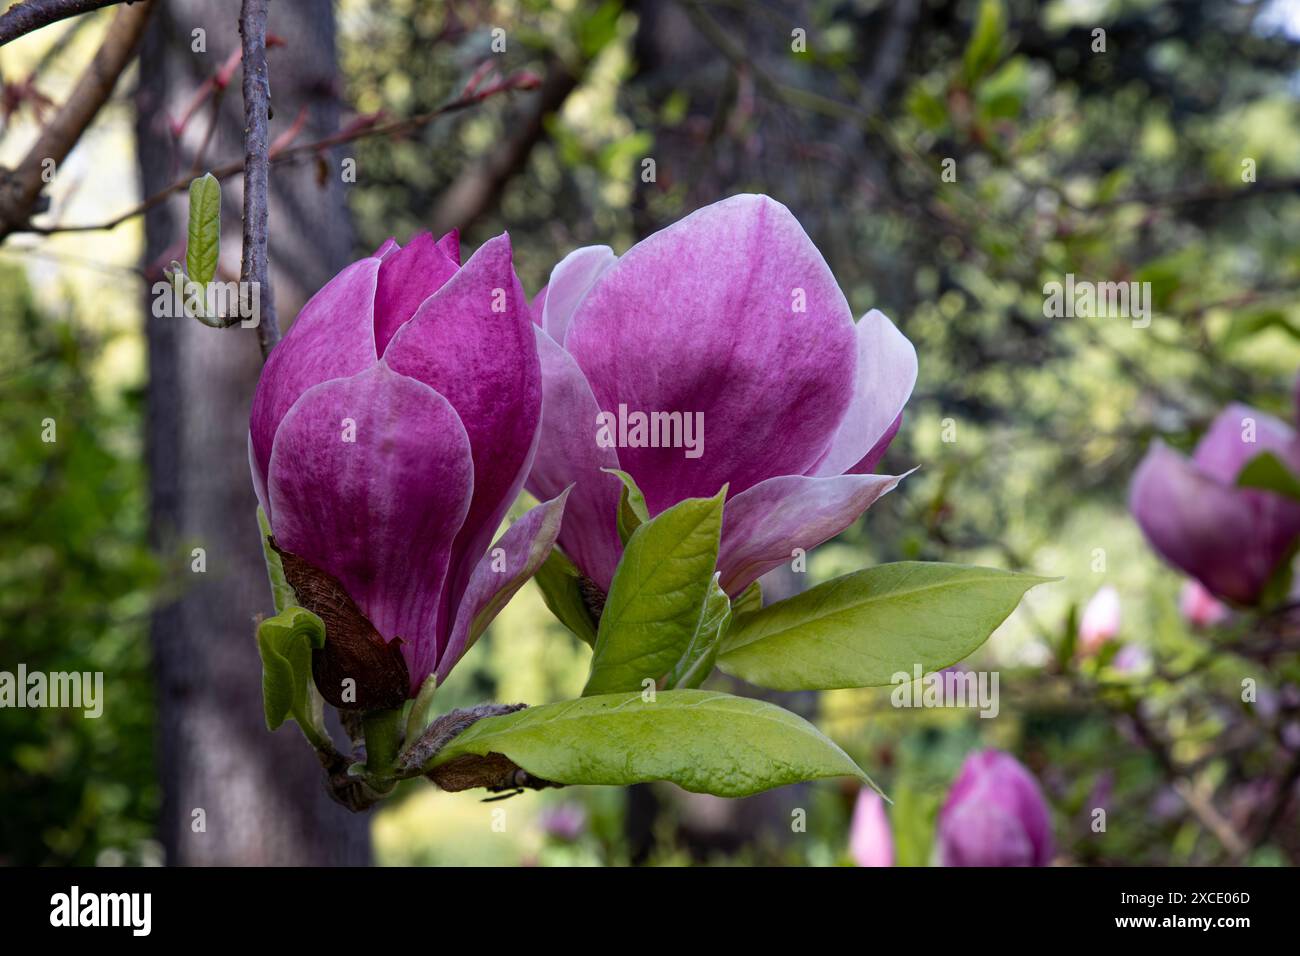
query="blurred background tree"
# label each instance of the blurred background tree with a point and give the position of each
(950, 158)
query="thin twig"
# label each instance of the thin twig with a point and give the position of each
(290, 155)
(257, 167)
(31, 15)
(60, 135)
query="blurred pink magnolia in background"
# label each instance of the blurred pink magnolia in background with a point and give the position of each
(870, 841)
(995, 815)
(1199, 607)
(1100, 621)
(1230, 539)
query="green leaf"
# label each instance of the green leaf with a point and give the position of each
(986, 42)
(1269, 473)
(632, 510)
(749, 601)
(285, 643)
(703, 741)
(560, 581)
(657, 597)
(204, 240)
(696, 662)
(861, 629)
(281, 591)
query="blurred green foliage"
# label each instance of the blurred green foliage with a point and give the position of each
(75, 580)
(1122, 164)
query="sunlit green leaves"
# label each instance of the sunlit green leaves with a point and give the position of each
(561, 585)
(861, 629)
(281, 592)
(703, 741)
(656, 603)
(204, 233)
(285, 643)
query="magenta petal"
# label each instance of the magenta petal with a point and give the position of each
(333, 337)
(883, 381)
(705, 316)
(571, 278)
(259, 481)
(1238, 434)
(1230, 539)
(407, 277)
(472, 341)
(501, 572)
(379, 513)
(995, 815)
(389, 246)
(868, 464)
(569, 454)
(537, 306)
(761, 526)
(450, 245)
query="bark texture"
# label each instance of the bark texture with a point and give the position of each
(262, 794)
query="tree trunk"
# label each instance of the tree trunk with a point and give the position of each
(261, 794)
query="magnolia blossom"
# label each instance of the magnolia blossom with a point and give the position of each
(1230, 539)
(1199, 607)
(1100, 621)
(391, 430)
(870, 841)
(995, 815)
(719, 350)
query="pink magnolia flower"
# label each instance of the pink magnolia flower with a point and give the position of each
(1199, 607)
(870, 841)
(995, 815)
(730, 320)
(565, 822)
(1230, 539)
(1100, 621)
(391, 430)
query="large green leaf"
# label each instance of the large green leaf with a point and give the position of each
(861, 629)
(1267, 472)
(285, 643)
(281, 592)
(657, 599)
(696, 662)
(204, 236)
(561, 585)
(703, 741)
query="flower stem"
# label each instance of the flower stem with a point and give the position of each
(382, 729)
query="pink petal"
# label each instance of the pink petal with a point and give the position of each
(868, 464)
(871, 843)
(885, 376)
(259, 481)
(568, 454)
(485, 363)
(380, 513)
(536, 307)
(1227, 444)
(571, 278)
(701, 317)
(407, 277)
(333, 337)
(450, 245)
(523, 549)
(1228, 538)
(762, 526)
